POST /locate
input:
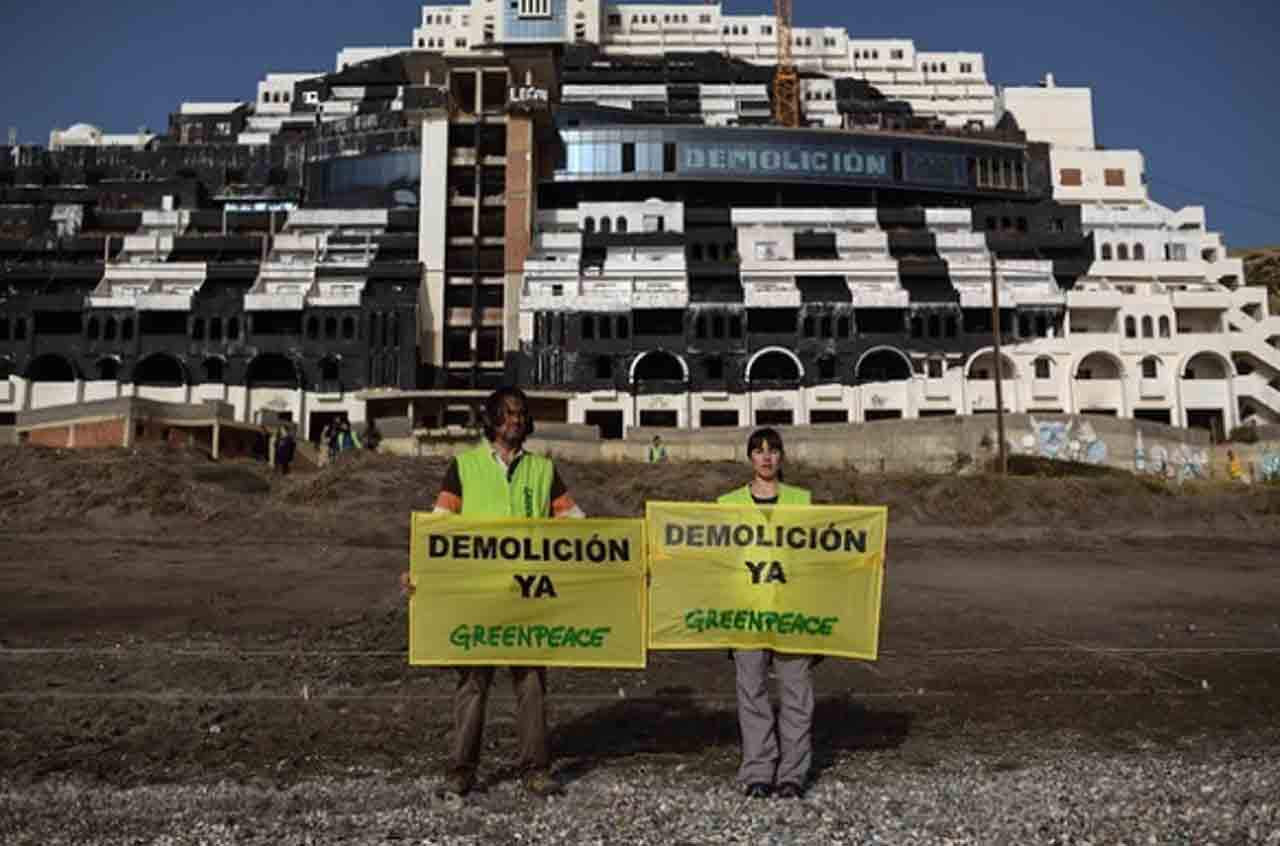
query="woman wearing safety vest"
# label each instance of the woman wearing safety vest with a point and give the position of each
(776, 753)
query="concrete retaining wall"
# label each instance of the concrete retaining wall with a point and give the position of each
(932, 445)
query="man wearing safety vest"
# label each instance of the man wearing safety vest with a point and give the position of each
(777, 753)
(500, 479)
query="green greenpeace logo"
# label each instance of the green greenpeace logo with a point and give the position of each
(533, 637)
(746, 620)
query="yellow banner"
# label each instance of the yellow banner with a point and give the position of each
(797, 579)
(560, 593)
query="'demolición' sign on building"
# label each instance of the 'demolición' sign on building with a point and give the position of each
(773, 161)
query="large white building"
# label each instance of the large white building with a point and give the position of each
(593, 200)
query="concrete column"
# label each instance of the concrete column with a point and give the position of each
(217, 439)
(434, 207)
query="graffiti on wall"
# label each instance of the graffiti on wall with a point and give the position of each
(1270, 467)
(1065, 440)
(1180, 463)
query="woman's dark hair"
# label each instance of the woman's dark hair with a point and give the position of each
(760, 437)
(495, 408)
(769, 436)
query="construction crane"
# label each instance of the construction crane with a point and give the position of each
(786, 82)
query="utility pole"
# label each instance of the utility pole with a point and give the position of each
(786, 80)
(1003, 454)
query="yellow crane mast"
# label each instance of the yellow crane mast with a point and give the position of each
(786, 82)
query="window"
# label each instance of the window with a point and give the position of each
(222, 127)
(1106, 252)
(311, 97)
(1164, 327)
(604, 367)
(668, 158)
(700, 327)
(655, 223)
(897, 54)
(1122, 252)
(766, 30)
(934, 368)
(624, 328)
(233, 328)
(535, 8)
(589, 225)
(621, 225)
(1147, 331)
(588, 327)
(1150, 368)
(966, 67)
(1113, 177)
(1044, 368)
(460, 43)
(1070, 176)
(1130, 327)
(628, 157)
(766, 250)
(1139, 252)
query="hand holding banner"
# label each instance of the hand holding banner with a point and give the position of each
(567, 593)
(791, 579)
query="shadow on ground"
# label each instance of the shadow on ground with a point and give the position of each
(673, 722)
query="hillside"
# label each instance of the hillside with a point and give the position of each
(1262, 267)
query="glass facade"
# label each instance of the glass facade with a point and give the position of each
(382, 181)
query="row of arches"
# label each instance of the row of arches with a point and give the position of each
(607, 224)
(1123, 252)
(1148, 327)
(889, 364)
(167, 370)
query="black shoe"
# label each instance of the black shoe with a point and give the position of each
(790, 791)
(758, 790)
(456, 783)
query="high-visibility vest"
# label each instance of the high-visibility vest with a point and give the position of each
(487, 492)
(787, 495)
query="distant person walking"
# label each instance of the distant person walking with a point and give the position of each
(657, 451)
(347, 438)
(372, 436)
(329, 442)
(1235, 470)
(286, 446)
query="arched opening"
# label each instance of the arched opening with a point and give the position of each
(330, 328)
(1150, 367)
(1139, 252)
(1130, 327)
(1164, 327)
(348, 328)
(233, 328)
(1147, 327)
(606, 226)
(658, 366)
(1043, 367)
(775, 365)
(1098, 366)
(197, 329)
(622, 224)
(214, 369)
(160, 370)
(695, 252)
(215, 328)
(983, 367)
(272, 370)
(589, 225)
(1106, 252)
(1206, 366)
(51, 367)
(1122, 252)
(107, 369)
(313, 328)
(330, 375)
(883, 365)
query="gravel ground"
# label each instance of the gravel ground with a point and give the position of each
(1224, 797)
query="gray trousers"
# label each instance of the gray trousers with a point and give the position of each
(775, 750)
(469, 701)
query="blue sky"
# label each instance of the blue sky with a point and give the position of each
(1192, 85)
